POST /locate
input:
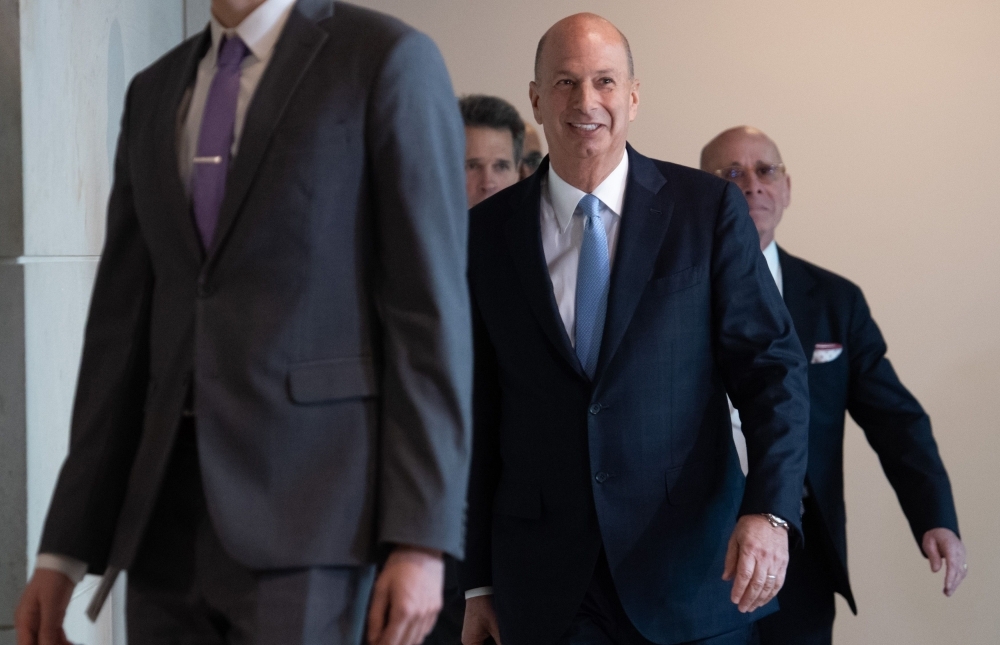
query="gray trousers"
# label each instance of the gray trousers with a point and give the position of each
(183, 588)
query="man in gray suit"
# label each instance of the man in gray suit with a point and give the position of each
(275, 386)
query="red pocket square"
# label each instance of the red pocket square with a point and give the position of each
(826, 352)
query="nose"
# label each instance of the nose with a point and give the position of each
(585, 97)
(751, 184)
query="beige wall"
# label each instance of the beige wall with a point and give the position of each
(888, 116)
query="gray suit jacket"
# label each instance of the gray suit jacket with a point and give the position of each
(325, 335)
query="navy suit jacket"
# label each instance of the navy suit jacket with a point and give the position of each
(827, 308)
(639, 461)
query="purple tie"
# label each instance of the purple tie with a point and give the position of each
(215, 139)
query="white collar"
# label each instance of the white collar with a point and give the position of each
(774, 264)
(259, 31)
(565, 197)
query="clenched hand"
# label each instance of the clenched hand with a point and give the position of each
(480, 621)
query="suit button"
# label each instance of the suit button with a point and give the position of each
(601, 477)
(595, 408)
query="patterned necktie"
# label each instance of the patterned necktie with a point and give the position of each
(593, 280)
(215, 139)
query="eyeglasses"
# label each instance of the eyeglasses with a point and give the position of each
(767, 173)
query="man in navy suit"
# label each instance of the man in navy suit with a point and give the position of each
(615, 301)
(848, 372)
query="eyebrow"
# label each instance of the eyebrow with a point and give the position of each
(599, 72)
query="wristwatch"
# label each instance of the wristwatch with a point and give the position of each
(776, 521)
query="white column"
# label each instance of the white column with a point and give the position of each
(66, 65)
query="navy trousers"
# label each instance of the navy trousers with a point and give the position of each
(602, 620)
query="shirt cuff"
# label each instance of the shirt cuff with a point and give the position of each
(479, 591)
(70, 567)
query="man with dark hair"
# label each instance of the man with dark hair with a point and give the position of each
(849, 372)
(494, 139)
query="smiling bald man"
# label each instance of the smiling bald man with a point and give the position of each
(612, 299)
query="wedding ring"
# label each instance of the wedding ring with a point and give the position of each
(772, 577)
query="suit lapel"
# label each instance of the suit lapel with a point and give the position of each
(644, 222)
(524, 237)
(797, 285)
(172, 193)
(298, 45)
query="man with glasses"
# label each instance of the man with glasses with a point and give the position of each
(849, 372)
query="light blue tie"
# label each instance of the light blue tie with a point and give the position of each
(593, 279)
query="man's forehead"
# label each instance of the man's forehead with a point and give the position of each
(739, 147)
(480, 137)
(577, 48)
(581, 68)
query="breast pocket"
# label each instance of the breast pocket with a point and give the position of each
(679, 280)
(316, 156)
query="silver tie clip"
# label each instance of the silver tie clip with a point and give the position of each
(217, 159)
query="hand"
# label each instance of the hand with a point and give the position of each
(480, 621)
(942, 544)
(407, 597)
(39, 616)
(757, 557)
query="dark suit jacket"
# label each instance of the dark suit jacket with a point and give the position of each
(641, 460)
(826, 308)
(325, 335)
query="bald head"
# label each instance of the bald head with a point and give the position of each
(750, 159)
(713, 152)
(582, 25)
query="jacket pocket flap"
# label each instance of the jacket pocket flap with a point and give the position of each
(332, 380)
(518, 499)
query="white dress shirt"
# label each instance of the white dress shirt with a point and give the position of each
(771, 255)
(259, 31)
(562, 236)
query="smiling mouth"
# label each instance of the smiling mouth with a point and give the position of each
(586, 127)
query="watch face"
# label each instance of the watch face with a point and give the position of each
(776, 521)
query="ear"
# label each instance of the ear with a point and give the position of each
(633, 107)
(788, 191)
(533, 96)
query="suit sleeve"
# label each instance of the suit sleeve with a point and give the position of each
(762, 365)
(111, 390)
(478, 568)
(897, 428)
(416, 144)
